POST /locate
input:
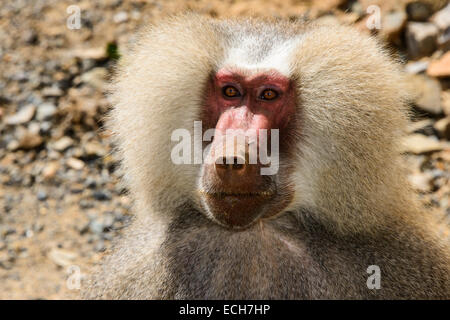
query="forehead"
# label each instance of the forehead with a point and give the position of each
(252, 78)
(258, 48)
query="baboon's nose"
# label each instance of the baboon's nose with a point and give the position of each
(230, 165)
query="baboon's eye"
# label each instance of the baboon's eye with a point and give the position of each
(231, 92)
(268, 94)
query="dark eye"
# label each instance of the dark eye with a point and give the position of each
(268, 94)
(231, 92)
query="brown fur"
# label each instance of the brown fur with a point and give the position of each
(352, 206)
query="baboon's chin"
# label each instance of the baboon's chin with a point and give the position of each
(237, 210)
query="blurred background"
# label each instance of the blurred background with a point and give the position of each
(61, 202)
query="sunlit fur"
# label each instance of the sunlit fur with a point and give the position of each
(352, 205)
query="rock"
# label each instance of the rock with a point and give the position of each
(443, 40)
(445, 100)
(62, 144)
(30, 37)
(120, 17)
(94, 149)
(23, 116)
(49, 171)
(419, 144)
(26, 139)
(52, 91)
(443, 128)
(101, 195)
(415, 67)
(392, 25)
(426, 93)
(442, 18)
(421, 181)
(98, 53)
(95, 78)
(419, 11)
(441, 67)
(62, 258)
(41, 195)
(421, 39)
(45, 111)
(75, 163)
(424, 127)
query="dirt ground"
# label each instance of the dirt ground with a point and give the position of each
(61, 202)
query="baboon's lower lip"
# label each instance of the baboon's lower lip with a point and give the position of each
(236, 209)
(222, 194)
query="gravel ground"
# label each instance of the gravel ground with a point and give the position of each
(61, 201)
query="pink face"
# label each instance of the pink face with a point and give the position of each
(267, 99)
(237, 195)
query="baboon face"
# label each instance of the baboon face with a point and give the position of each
(252, 112)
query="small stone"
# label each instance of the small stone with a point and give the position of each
(50, 170)
(98, 53)
(442, 127)
(75, 163)
(26, 139)
(62, 258)
(53, 91)
(76, 188)
(85, 204)
(100, 246)
(421, 39)
(96, 226)
(45, 111)
(392, 26)
(30, 37)
(120, 17)
(96, 77)
(42, 195)
(94, 149)
(443, 40)
(23, 116)
(441, 67)
(416, 67)
(101, 195)
(63, 144)
(421, 181)
(419, 144)
(442, 18)
(426, 93)
(445, 100)
(424, 127)
(419, 11)
(90, 183)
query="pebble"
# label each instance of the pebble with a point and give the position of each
(442, 127)
(45, 111)
(63, 143)
(42, 195)
(421, 38)
(420, 144)
(418, 11)
(102, 195)
(440, 67)
(95, 78)
(120, 17)
(22, 116)
(426, 93)
(62, 258)
(442, 18)
(393, 24)
(75, 163)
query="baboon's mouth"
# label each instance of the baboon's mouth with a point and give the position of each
(237, 209)
(223, 194)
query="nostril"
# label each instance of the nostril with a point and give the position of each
(230, 163)
(237, 166)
